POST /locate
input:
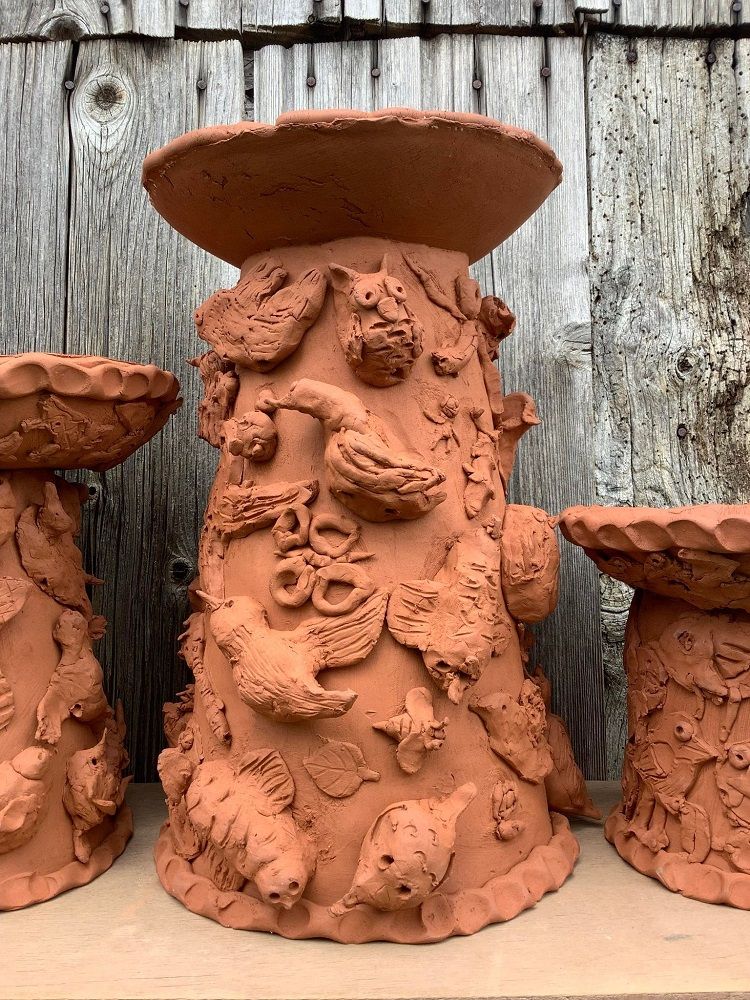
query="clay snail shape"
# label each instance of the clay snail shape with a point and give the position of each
(406, 853)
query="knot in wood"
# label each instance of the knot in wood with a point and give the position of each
(104, 98)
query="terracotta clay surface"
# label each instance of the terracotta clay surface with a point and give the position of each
(363, 585)
(63, 819)
(685, 813)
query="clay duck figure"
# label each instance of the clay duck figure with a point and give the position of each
(733, 782)
(369, 470)
(241, 810)
(275, 671)
(406, 853)
(24, 784)
(259, 323)
(667, 759)
(95, 788)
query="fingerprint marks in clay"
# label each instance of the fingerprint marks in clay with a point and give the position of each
(454, 619)
(416, 730)
(317, 551)
(516, 730)
(275, 670)
(339, 768)
(261, 321)
(13, 594)
(406, 853)
(379, 333)
(368, 469)
(236, 814)
(220, 387)
(25, 781)
(504, 808)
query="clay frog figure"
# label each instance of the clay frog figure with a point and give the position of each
(406, 852)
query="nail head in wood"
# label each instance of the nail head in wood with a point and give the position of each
(310, 81)
(681, 431)
(737, 7)
(538, 4)
(184, 3)
(632, 56)
(476, 84)
(201, 84)
(546, 72)
(104, 8)
(69, 84)
(711, 58)
(375, 71)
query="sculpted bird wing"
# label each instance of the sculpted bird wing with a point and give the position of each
(411, 612)
(342, 640)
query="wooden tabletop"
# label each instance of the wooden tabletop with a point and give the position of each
(609, 932)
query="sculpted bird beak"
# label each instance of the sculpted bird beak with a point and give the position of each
(211, 602)
(698, 751)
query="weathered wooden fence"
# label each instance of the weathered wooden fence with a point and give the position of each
(630, 284)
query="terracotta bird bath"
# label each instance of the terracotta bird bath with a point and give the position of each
(361, 754)
(63, 820)
(685, 813)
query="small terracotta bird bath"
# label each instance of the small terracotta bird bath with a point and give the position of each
(685, 813)
(362, 755)
(63, 820)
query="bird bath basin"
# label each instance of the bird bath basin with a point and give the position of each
(685, 813)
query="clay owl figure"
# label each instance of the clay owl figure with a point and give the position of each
(406, 853)
(380, 335)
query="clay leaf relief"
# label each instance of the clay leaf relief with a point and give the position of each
(192, 651)
(454, 619)
(482, 470)
(25, 781)
(406, 853)
(49, 555)
(379, 333)
(94, 786)
(275, 670)
(529, 563)
(416, 730)
(368, 469)
(338, 769)
(504, 808)
(13, 594)
(317, 552)
(261, 321)
(516, 729)
(238, 811)
(220, 388)
(75, 688)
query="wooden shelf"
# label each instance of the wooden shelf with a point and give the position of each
(609, 932)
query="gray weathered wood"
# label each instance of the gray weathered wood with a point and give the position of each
(82, 18)
(209, 15)
(669, 174)
(541, 271)
(667, 15)
(132, 286)
(34, 163)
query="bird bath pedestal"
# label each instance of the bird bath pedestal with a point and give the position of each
(361, 755)
(685, 813)
(63, 820)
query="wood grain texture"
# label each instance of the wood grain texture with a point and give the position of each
(608, 934)
(209, 15)
(34, 202)
(76, 19)
(541, 271)
(670, 268)
(132, 286)
(671, 15)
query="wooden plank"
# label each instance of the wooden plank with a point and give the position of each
(670, 15)
(208, 15)
(541, 271)
(664, 946)
(669, 175)
(132, 286)
(34, 167)
(76, 19)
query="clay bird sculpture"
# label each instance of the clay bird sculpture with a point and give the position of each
(49, 555)
(94, 786)
(259, 323)
(518, 416)
(667, 760)
(369, 470)
(416, 730)
(24, 785)
(454, 619)
(516, 728)
(240, 810)
(75, 688)
(275, 671)
(406, 853)
(733, 782)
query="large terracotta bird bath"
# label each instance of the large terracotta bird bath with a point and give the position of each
(63, 819)
(362, 755)
(685, 813)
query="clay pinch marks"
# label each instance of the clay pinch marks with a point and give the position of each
(368, 469)
(13, 594)
(25, 782)
(406, 853)
(259, 322)
(516, 728)
(381, 336)
(275, 670)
